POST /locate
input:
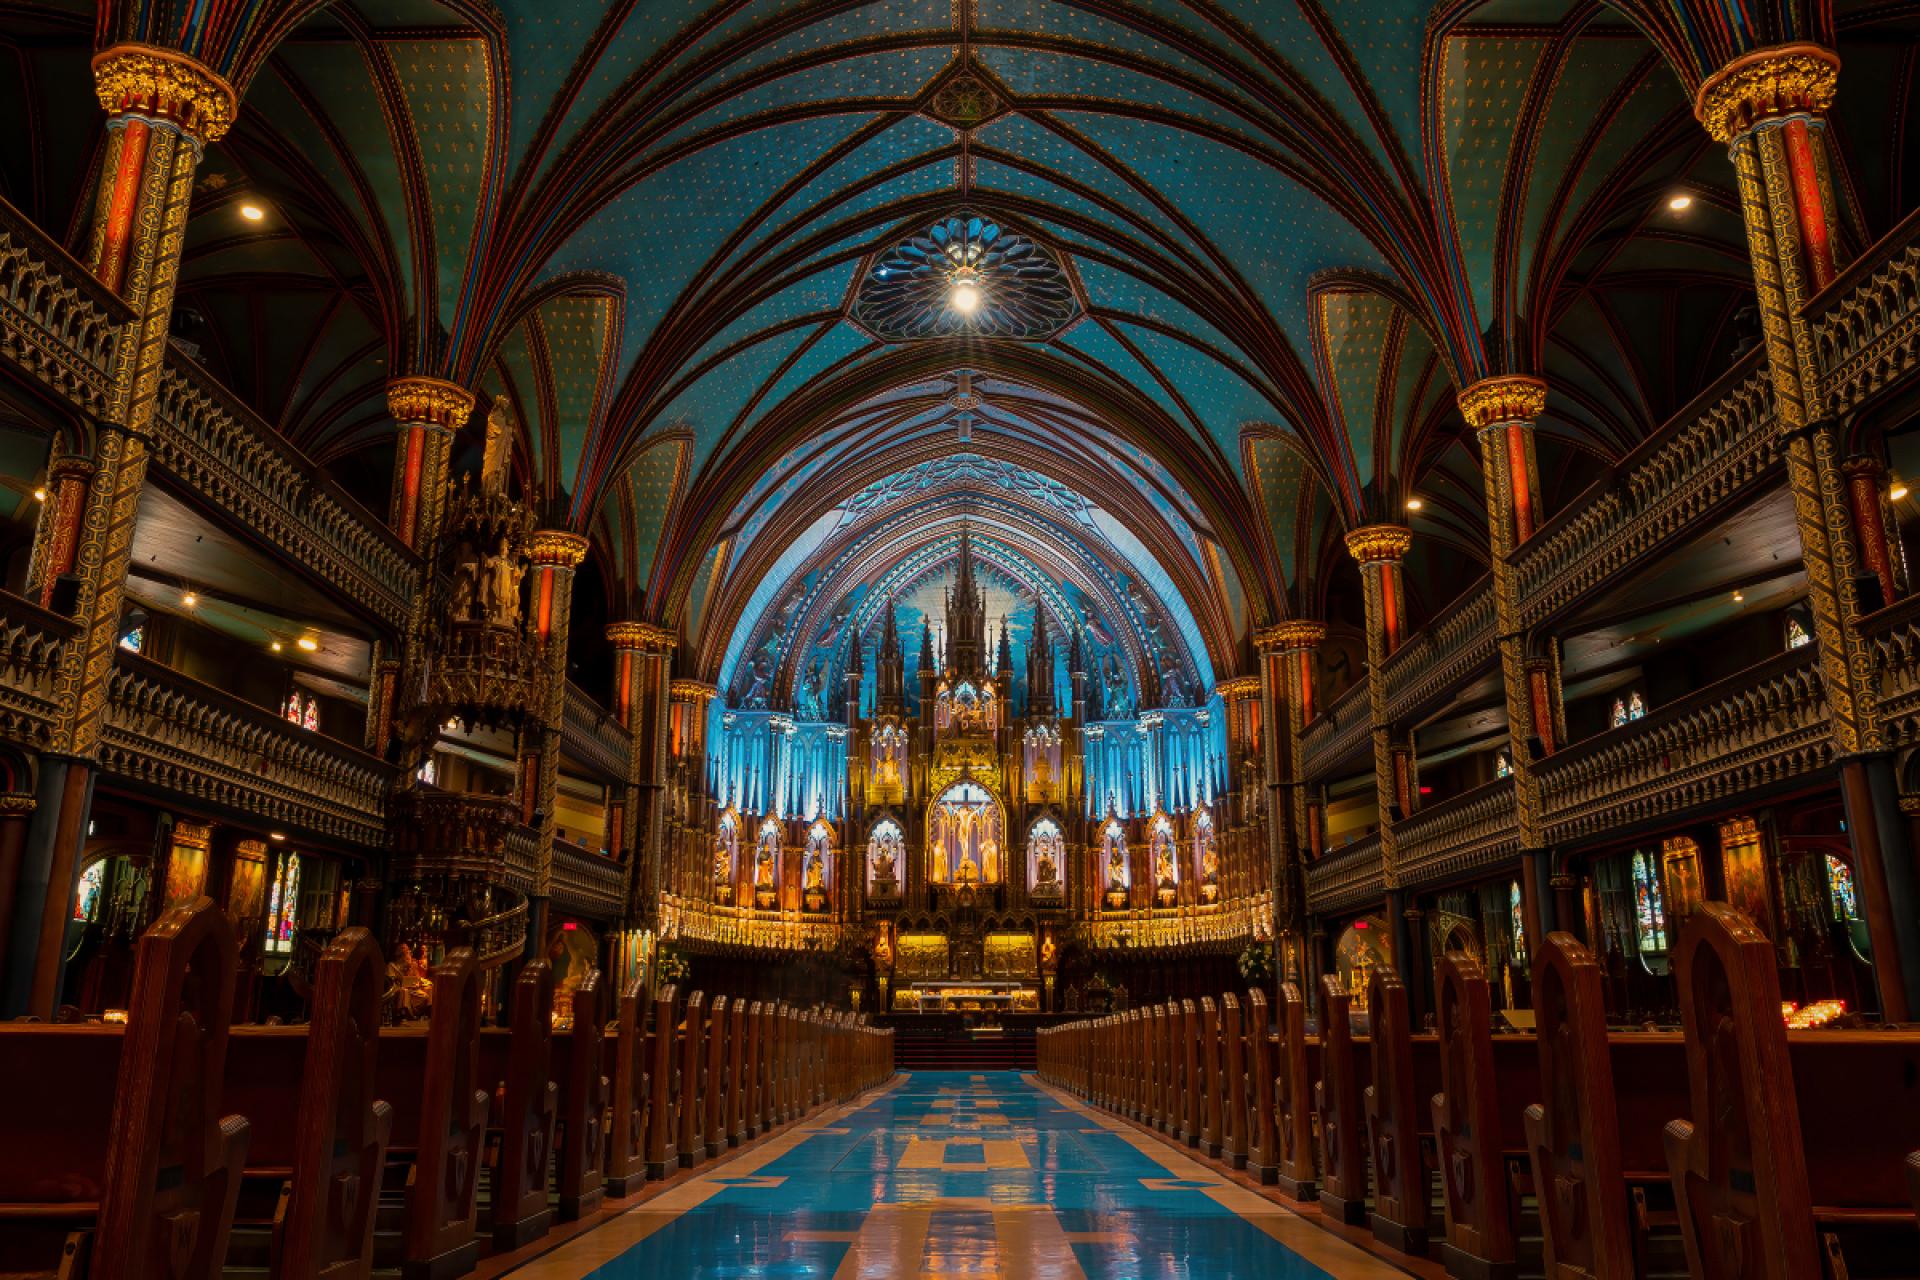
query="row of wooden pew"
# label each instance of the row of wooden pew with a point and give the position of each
(1771, 1154)
(177, 1145)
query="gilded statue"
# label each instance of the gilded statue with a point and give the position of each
(763, 867)
(1117, 868)
(465, 579)
(500, 586)
(816, 881)
(1045, 870)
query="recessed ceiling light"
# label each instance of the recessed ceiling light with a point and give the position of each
(1414, 504)
(275, 646)
(252, 212)
(190, 599)
(1898, 491)
(39, 495)
(276, 835)
(1738, 597)
(1680, 203)
(308, 643)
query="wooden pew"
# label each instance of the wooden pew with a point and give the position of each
(1761, 1170)
(769, 1108)
(579, 1063)
(1186, 1054)
(1573, 1138)
(340, 1130)
(1163, 1105)
(719, 1021)
(1263, 1151)
(448, 1130)
(663, 1120)
(1233, 1085)
(1468, 1128)
(1292, 1099)
(740, 1086)
(531, 1111)
(148, 1187)
(755, 1070)
(632, 1094)
(1402, 1191)
(1337, 1098)
(1211, 1077)
(690, 1048)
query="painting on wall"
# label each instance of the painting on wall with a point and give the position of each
(1746, 867)
(187, 863)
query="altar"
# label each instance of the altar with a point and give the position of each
(965, 997)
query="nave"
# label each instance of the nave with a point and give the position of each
(951, 1173)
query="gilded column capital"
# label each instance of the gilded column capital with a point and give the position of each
(429, 402)
(1380, 543)
(646, 637)
(557, 548)
(1512, 397)
(160, 84)
(696, 691)
(1238, 687)
(1788, 79)
(1297, 633)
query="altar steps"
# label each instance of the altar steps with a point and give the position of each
(930, 1050)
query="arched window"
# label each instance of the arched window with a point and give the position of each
(1797, 634)
(1046, 854)
(1517, 914)
(86, 903)
(292, 710)
(886, 850)
(1630, 708)
(310, 718)
(283, 907)
(1502, 765)
(1649, 906)
(135, 637)
(965, 836)
(428, 772)
(1846, 905)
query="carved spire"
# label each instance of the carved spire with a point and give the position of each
(1003, 656)
(1040, 666)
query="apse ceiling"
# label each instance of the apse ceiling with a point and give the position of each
(1231, 262)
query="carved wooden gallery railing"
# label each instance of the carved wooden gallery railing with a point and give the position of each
(1443, 654)
(1866, 324)
(1348, 877)
(1684, 475)
(59, 326)
(1762, 727)
(1337, 737)
(30, 640)
(587, 883)
(1460, 834)
(1893, 637)
(592, 736)
(169, 732)
(57, 323)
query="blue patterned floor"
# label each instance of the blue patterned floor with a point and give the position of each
(951, 1174)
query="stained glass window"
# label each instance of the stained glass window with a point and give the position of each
(134, 638)
(1619, 712)
(310, 718)
(1846, 906)
(1797, 634)
(429, 771)
(1519, 918)
(87, 901)
(292, 710)
(1632, 707)
(1649, 905)
(284, 904)
(1503, 765)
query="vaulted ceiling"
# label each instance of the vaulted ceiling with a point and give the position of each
(1237, 258)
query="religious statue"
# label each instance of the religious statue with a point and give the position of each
(1163, 864)
(1116, 867)
(722, 868)
(465, 576)
(816, 879)
(1046, 871)
(763, 865)
(412, 983)
(500, 586)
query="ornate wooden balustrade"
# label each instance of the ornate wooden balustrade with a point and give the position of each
(30, 640)
(167, 732)
(1893, 637)
(1709, 455)
(59, 326)
(587, 883)
(592, 736)
(1336, 741)
(1756, 730)
(1350, 876)
(1443, 656)
(1460, 834)
(1866, 324)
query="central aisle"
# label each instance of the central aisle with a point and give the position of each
(954, 1174)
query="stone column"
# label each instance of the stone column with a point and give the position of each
(1286, 681)
(689, 805)
(163, 109)
(641, 651)
(555, 553)
(1380, 550)
(1770, 108)
(427, 412)
(1502, 412)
